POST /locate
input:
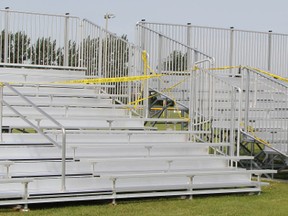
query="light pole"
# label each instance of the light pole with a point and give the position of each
(107, 16)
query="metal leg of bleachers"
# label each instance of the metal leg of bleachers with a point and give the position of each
(259, 183)
(114, 191)
(191, 178)
(25, 197)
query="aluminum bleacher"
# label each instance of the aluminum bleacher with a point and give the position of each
(92, 141)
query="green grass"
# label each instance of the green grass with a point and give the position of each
(273, 201)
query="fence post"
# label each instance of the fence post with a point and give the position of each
(6, 39)
(269, 49)
(142, 37)
(80, 33)
(66, 40)
(100, 55)
(189, 54)
(231, 48)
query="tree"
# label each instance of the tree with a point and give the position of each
(176, 61)
(18, 47)
(44, 52)
(117, 57)
(91, 48)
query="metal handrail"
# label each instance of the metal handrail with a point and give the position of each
(63, 180)
(178, 42)
(271, 79)
(233, 115)
(276, 120)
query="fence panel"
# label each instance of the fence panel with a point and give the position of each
(230, 47)
(39, 39)
(266, 102)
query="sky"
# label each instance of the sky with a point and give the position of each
(257, 15)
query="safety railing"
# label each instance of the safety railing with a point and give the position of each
(35, 39)
(67, 42)
(266, 113)
(37, 128)
(215, 105)
(187, 81)
(170, 58)
(106, 55)
(265, 50)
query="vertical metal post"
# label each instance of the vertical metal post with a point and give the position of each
(191, 179)
(269, 50)
(239, 122)
(131, 54)
(143, 42)
(247, 100)
(114, 190)
(105, 74)
(6, 32)
(1, 112)
(231, 54)
(25, 197)
(192, 89)
(146, 95)
(145, 83)
(189, 51)
(100, 58)
(190, 99)
(159, 60)
(81, 45)
(63, 177)
(66, 40)
(232, 126)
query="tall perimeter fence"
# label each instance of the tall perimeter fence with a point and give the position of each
(230, 47)
(48, 40)
(68, 42)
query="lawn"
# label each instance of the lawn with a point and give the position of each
(273, 202)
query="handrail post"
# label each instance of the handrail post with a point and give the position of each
(6, 32)
(191, 98)
(1, 112)
(146, 94)
(63, 178)
(232, 126)
(239, 121)
(131, 53)
(247, 100)
(159, 60)
(66, 40)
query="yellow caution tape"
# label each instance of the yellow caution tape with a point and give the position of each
(145, 62)
(109, 80)
(269, 74)
(252, 68)
(224, 68)
(251, 130)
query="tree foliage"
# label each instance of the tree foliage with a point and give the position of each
(18, 47)
(176, 61)
(114, 53)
